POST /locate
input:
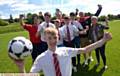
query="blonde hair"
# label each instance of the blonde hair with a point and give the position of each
(51, 31)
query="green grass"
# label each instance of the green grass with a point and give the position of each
(13, 27)
(6, 64)
(112, 54)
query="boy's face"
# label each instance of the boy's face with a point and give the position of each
(51, 40)
(36, 20)
(57, 24)
(47, 18)
(67, 21)
(72, 17)
(81, 14)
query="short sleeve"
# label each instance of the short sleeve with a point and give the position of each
(37, 66)
(79, 25)
(39, 27)
(72, 52)
(52, 25)
(27, 26)
(75, 29)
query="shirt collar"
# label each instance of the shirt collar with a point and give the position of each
(51, 52)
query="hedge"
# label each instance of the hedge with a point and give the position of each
(14, 27)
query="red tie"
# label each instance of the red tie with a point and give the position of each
(56, 64)
(68, 34)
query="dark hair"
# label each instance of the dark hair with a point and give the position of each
(33, 17)
(72, 14)
(47, 14)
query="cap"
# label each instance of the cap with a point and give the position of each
(94, 17)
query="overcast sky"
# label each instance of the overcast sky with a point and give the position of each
(16, 7)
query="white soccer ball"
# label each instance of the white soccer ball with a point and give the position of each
(19, 48)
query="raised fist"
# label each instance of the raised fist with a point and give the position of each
(99, 5)
(107, 36)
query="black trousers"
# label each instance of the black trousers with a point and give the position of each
(101, 51)
(36, 51)
(71, 44)
(77, 45)
(44, 46)
(38, 48)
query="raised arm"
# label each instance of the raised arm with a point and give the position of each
(99, 10)
(22, 23)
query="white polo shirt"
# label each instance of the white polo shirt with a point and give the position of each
(42, 27)
(73, 31)
(44, 61)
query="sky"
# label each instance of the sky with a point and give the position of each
(16, 7)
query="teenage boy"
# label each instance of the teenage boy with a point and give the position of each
(40, 32)
(57, 61)
(32, 30)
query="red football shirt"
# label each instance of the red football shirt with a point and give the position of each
(32, 29)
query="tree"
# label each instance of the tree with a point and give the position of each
(29, 18)
(118, 16)
(102, 18)
(11, 19)
(3, 22)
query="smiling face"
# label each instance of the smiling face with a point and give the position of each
(51, 36)
(36, 20)
(52, 40)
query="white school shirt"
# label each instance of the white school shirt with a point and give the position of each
(44, 61)
(60, 41)
(77, 24)
(73, 31)
(41, 29)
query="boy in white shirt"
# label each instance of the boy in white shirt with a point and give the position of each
(70, 31)
(77, 38)
(42, 27)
